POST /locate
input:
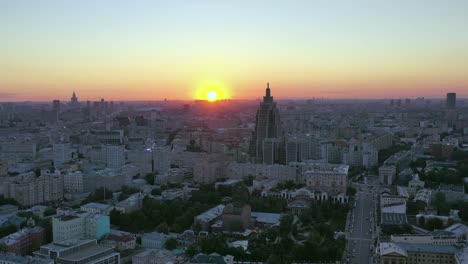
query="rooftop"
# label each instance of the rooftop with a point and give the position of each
(393, 218)
(87, 252)
(211, 214)
(268, 218)
(65, 244)
(458, 229)
(428, 248)
(97, 206)
(328, 168)
(155, 236)
(13, 238)
(11, 258)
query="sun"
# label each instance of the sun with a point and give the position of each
(211, 91)
(211, 96)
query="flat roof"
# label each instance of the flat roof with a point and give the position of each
(428, 248)
(97, 205)
(65, 244)
(269, 218)
(211, 214)
(87, 252)
(9, 257)
(393, 218)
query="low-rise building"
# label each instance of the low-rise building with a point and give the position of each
(212, 258)
(80, 224)
(409, 253)
(204, 220)
(387, 174)
(154, 240)
(131, 204)
(9, 258)
(24, 241)
(153, 256)
(438, 237)
(330, 178)
(121, 240)
(97, 208)
(79, 251)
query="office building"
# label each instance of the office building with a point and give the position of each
(451, 100)
(80, 224)
(61, 153)
(79, 251)
(328, 178)
(267, 125)
(387, 174)
(410, 253)
(24, 241)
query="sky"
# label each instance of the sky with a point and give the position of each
(152, 50)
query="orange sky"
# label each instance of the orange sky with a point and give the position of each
(155, 50)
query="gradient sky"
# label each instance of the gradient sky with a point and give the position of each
(151, 50)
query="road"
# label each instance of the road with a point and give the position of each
(361, 227)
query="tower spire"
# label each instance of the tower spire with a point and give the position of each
(268, 92)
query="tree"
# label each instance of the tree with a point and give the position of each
(5, 231)
(351, 191)
(422, 221)
(441, 204)
(4, 201)
(248, 180)
(49, 211)
(171, 243)
(46, 223)
(236, 226)
(191, 251)
(434, 223)
(149, 177)
(285, 225)
(156, 191)
(163, 228)
(414, 208)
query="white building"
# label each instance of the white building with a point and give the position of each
(82, 251)
(97, 208)
(330, 178)
(61, 154)
(31, 190)
(73, 182)
(115, 156)
(80, 224)
(387, 174)
(161, 159)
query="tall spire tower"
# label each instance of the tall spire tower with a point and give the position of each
(268, 97)
(267, 130)
(74, 101)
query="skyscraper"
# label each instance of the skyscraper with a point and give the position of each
(451, 100)
(267, 125)
(74, 101)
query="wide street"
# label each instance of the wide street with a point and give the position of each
(361, 225)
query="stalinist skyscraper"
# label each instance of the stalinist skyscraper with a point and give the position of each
(266, 138)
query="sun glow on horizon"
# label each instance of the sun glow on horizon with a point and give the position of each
(212, 96)
(211, 91)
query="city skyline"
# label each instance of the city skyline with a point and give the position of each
(153, 50)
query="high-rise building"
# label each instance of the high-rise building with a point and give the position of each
(74, 101)
(61, 153)
(451, 100)
(80, 224)
(56, 109)
(267, 125)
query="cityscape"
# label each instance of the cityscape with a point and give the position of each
(111, 153)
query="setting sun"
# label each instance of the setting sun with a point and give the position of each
(212, 96)
(211, 91)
